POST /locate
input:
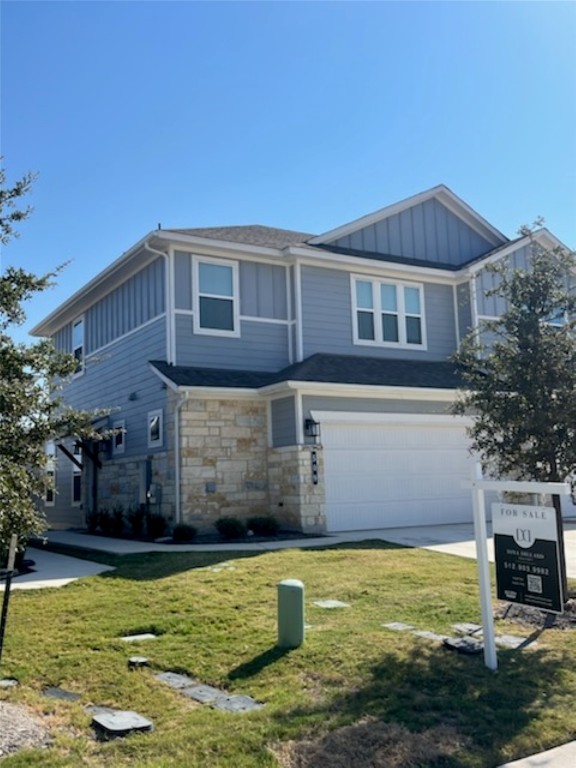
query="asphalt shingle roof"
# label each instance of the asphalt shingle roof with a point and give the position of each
(252, 234)
(324, 368)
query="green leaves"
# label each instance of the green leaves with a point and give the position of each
(521, 371)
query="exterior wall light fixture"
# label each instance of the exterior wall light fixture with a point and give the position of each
(311, 428)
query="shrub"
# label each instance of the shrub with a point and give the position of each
(155, 526)
(183, 532)
(105, 521)
(92, 521)
(118, 521)
(231, 528)
(264, 525)
(135, 519)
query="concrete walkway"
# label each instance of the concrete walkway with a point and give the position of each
(450, 539)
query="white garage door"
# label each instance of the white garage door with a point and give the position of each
(384, 471)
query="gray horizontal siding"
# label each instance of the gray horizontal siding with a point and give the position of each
(121, 371)
(327, 319)
(427, 231)
(262, 287)
(283, 422)
(261, 346)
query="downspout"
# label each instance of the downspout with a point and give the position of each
(168, 298)
(177, 456)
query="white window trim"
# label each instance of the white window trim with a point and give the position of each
(235, 298)
(75, 472)
(377, 310)
(50, 469)
(118, 449)
(151, 415)
(75, 322)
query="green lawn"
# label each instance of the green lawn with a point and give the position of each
(220, 627)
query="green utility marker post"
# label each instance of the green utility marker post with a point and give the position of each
(290, 613)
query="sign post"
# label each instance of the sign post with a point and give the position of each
(546, 547)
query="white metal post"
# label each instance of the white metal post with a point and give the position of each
(480, 531)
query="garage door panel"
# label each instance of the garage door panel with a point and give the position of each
(385, 475)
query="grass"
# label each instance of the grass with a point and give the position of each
(217, 623)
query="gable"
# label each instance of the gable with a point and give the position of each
(426, 232)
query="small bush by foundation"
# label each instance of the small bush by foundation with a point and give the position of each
(183, 533)
(263, 525)
(231, 528)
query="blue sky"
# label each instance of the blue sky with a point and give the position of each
(303, 115)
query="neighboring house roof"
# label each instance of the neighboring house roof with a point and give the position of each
(322, 368)
(252, 234)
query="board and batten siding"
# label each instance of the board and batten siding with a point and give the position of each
(261, 346)
(327, 318)
(427, 231)
(120, 379)
(486, 280)
(283, 412)
(262, 287)
(463, 309)
(135, 302)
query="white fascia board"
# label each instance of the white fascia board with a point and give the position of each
(442, 193)
(207, 392)
(93, 289)
(359, 391)
(543, 237)
(315, 258)
(218, 247)
(548, 237)
(390, 418)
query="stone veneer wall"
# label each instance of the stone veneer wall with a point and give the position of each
(229, 470)
(295, 499)
(224, 460)
(119, 484)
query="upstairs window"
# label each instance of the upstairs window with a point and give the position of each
(78, 344)
(216, 297)
(388, 313)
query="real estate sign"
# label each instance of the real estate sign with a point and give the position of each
(526, 556)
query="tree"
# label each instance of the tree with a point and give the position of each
(31, 410)
(520, 371)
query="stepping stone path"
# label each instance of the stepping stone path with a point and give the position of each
(137, 662)
(470, 643)
(8, 682)
(398, 626)
(113, 725)
(53, 692)
(206, 694)
(138, 638)
(331, 604)
(467, 645)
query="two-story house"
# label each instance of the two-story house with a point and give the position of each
(253, 370)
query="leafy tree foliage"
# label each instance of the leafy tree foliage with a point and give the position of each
(521, 375)
(31, 410)
(521, 371)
